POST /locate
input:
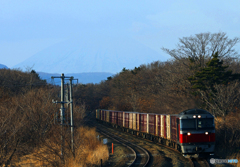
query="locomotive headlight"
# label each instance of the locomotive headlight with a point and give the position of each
(199, 116)
(188, 133)
(194, 116)
(206, 133)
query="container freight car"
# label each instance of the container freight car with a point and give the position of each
(191, 132)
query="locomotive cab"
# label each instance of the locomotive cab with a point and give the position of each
(196, 132)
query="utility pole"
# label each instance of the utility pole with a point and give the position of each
(62, 114)
(71, 115)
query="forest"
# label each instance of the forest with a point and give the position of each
(203, 73)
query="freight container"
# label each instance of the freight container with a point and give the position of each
(98, 114)
(130, 120)
(152, 123)
(120, 118)
(114, 117)
(156, 124)
(144, 122)
(104, 115)
(110, 117)
(163, 126)
(134, 121)
(107, 115)
(126, 115)
(159, 125)
(168, 127)
(138, 122)
(174, 128)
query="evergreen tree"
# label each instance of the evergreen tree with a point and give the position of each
(213, 73)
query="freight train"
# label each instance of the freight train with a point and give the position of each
(192, 132)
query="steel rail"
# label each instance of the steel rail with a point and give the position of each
(200, 162)
(134, 152)
(167, 147)
(127, 142)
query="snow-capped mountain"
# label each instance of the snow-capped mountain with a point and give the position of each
(91, 53)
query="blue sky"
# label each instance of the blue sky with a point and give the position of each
(29, 26)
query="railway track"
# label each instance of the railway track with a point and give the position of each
(198, 162)
(141, 156)
(159, 155)
(193, 162)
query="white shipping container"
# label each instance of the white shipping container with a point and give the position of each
(130, 120)
(156, 128)
(162, 126)
(134, 121)
(168, 127)
(138, 122)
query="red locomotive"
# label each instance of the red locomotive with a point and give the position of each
(191, 132)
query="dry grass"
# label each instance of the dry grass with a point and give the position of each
(48, 154)
(228, 137)
(88, 152)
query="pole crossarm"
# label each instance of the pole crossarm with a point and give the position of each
(52, 77)
(72, 78)
(61, 102)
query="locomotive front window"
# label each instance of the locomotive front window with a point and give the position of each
(205, 123)
(188, 123)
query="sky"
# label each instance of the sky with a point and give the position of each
(30, 26)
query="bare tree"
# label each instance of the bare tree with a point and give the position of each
(224, 100)
(133, 100)
(201, 47)
(25, 120)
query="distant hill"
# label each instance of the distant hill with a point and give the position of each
(83, 78)
(3, 66)
(92, 53)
